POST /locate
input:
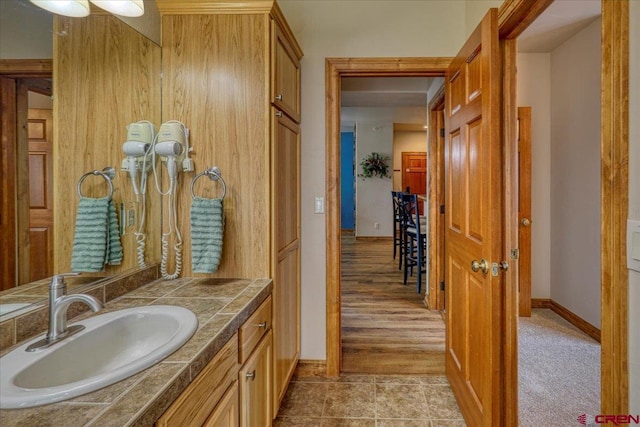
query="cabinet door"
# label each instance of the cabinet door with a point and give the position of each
(286, 322)
(255, 386)
(286, 286)
(226, 413)
(286, 75)
(286, 170)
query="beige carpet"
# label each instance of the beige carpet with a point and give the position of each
(558, 372)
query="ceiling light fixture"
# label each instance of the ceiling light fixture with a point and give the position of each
(131, 8)
(80, 8)
(73, 8)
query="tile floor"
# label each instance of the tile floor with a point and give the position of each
(369, 401)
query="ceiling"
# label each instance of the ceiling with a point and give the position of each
(407, 96)
(558, 23)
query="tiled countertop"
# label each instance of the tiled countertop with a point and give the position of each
(221, 305)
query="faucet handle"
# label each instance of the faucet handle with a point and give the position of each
(57, 281)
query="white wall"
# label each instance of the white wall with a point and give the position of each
(373, 195)
(634, 202)
(475, 11)
(350, 28)
(575, 174)
(405, 141)
(19, 40)
(534, 90)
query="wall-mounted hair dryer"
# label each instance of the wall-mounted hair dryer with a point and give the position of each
(170, 146)
(140, 136)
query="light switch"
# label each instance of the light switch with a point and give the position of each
(319, 205)
(633, 245)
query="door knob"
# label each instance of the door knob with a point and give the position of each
(525, 222)
(480, 265)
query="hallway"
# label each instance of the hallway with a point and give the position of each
(386, 328)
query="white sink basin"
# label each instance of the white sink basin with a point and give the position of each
(112, 347)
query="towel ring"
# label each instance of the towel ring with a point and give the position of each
(107, 173)
(213, 173)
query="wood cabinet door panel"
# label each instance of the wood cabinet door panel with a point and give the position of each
(286, 76)
(255, 386)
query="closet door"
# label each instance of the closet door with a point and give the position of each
(286, 288)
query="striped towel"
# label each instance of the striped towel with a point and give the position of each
(207, 227)
(97, 240)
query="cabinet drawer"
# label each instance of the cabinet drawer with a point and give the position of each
(254, 328)
(195, 404)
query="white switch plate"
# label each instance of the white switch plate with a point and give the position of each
(319, 205)
(633, 245)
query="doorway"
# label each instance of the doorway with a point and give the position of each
(613, 201)
(26, 179)
(385, 325)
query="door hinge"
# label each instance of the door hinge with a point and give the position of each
(515, 253)
(441, 132)
(441, 209)
(442, 285)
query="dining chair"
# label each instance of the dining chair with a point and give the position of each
(415, 240)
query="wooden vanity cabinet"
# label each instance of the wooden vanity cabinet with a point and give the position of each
(200, 400)
(227, 411)
(231, 73)
(256, 384)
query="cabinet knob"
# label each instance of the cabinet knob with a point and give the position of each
(278, 113)
(262, 325)
(279, 97)
(251, 375)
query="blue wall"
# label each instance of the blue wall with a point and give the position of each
(347, 195)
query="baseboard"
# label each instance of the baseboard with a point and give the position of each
(540, 303)
(576, 320)
(375, 238)
(311, 368)
(567, 315)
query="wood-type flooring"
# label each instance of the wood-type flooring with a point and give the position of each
(386, 328)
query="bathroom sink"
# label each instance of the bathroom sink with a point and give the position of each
(112, 347)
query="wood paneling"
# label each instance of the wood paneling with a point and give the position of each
(215, 81)
(255, 379)
(107, 75)
(285, 89)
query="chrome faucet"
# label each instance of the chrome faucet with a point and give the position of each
(59, 302)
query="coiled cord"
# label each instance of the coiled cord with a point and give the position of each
(173, 223)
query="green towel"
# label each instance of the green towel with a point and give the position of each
(97, 240)
(207, 227)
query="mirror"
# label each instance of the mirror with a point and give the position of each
(107, 75)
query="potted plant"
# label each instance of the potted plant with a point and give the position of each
(375, 164)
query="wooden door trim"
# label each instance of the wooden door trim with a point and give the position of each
(435, 257)
(614, 205)
(335, 69)
(514, 18)
(524, 208)
(8, 177)
(22, 74)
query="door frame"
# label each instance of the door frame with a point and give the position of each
(335, 69)
(435, 194)
(25, 75)
(514, 16)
